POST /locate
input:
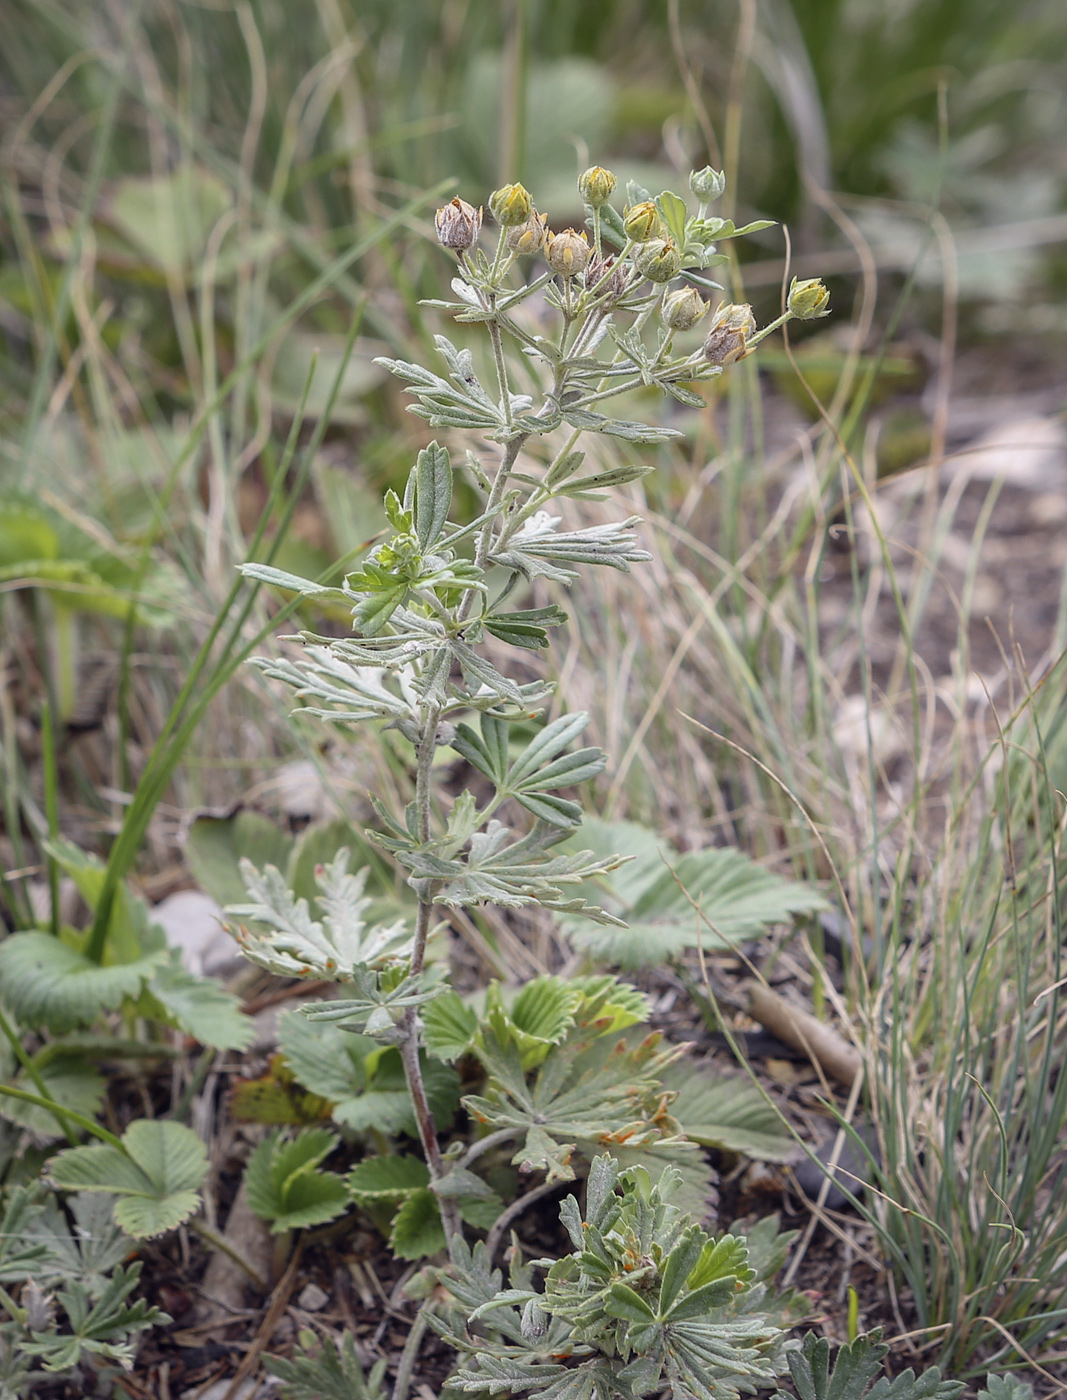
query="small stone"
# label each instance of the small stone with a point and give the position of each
(312, 1298)
(247, 1390)
(192, 922)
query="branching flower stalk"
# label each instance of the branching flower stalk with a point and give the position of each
(426, 600)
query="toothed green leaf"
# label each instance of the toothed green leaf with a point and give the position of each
(156, 1177)
(285, 1186)
(47, 983)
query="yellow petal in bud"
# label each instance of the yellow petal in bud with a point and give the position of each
(808, 300)
(568, 252)
(528, 237)
(510, 205)
(659, 260)
(730, 326)
(597, 185)
(642, 222)
(457, 225)
(683, 309)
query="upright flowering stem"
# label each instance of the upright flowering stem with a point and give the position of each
(425, 598)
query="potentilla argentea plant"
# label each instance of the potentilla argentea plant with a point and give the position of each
(427, 598)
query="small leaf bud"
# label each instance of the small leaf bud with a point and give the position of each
(510, 205)
(642, 222)
(808, 300)
(729, 327)
(528, 237)
(597, 185)
(659, 260)
(458, 225)
(568, 252)
(707, 184)
(683, 309)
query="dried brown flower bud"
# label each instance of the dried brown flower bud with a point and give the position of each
(730, 326)
(458, 225)
(607, 275)
(568, 252)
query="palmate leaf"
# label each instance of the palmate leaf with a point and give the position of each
(198, 1006)
(354, 693)
(855, 1367)
(23, 1252)
(627, 429)
(48, 983)
(586, 1088)
(333, 1372)
(156, 1178)
(417, 1227)
(365, 1083)
(89, 1251)
(431, 487)
(284, 1184)
(511, 874)
(671, 901)
(728, 1112)
(542, 767)
(449, 1027)
(70, 1081)
(296, 945)
(538, 549)
(101, 1328)
(404, 1183)
(525, 628)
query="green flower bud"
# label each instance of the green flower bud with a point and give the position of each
(808, 300)
(707, 184)
(510, 205)
(683, 309)
(528, 237)
(568, 252)
(597, 185)
(642, 222)
(457, 225)
(729, 327)
(659, 260)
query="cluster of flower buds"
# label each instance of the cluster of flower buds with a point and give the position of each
(730, 327)
(657, 256)
(808, 300)
(458, 225)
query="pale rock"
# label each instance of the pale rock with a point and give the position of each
(312, 1298)
(300, 791)
(247, 1390)
(1027, 452)
(193, 922)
